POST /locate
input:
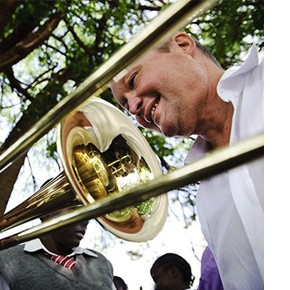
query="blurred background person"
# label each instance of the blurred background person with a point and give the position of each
(120, 283)
(171, 272)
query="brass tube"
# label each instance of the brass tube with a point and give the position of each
(170, 20)
(211, 164)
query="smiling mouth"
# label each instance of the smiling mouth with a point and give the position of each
(153, 111)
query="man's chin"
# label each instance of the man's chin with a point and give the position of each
(168, 132)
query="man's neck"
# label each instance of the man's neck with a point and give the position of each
(54, 247)
(218, 133)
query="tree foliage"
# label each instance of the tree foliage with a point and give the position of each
(47, 48)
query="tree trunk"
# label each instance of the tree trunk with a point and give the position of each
(7, 9)
(8, 178)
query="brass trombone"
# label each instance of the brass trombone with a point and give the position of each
(102, 153)
(215, 162)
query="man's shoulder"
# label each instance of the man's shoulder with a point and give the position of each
(99, 256)
(91, 251)
(12, 251)
(94, 253)
(88, 252)
(11, 254)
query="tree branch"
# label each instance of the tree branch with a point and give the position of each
(15, 85)
(33, 40)
(61, 40)
(86, 49)
(9, 177)
(40, 105)
(54, 48)
(39, 79)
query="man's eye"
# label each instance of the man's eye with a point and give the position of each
(132, 80)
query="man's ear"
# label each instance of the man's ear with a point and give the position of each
(185, 42)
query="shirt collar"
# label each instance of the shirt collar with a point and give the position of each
(198, 149)
(36, 245)
(230, 82)
(251, 61)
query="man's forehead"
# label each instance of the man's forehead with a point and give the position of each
(138, 63)
(120, 76)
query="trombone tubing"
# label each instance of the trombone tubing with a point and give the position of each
(176, 16)
(211, 164)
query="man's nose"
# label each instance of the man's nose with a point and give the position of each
(84, 224)
(134, 104)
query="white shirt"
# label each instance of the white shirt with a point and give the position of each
(231, 205)
(36, 245)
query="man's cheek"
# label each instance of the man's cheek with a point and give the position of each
(146, 124)
(142, 122)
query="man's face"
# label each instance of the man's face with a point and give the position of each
(164, 279)
(69, 236)
(165, 91)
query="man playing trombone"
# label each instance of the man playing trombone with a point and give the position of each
(181, 90)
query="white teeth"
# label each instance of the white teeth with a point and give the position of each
(152, 111)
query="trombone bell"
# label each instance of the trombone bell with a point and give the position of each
(103, 153)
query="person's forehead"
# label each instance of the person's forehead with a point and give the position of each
(158, 269)
(156, 272)
(137, 64)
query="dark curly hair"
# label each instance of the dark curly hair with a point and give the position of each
(171, 259)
